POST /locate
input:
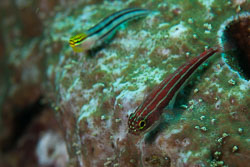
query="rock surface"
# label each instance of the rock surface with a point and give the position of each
(93, 94)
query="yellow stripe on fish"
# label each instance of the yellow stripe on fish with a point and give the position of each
(96, 35)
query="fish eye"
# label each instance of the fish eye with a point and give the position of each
(142, 124)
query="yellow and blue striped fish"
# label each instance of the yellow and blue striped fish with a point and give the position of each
(96, 35)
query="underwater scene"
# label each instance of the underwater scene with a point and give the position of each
(125, 83)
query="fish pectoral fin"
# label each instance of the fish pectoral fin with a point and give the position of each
(77, 49)
(168, 115)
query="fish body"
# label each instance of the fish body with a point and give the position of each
(164, 94)
(96, 35)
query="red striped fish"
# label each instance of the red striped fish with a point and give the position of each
(164, 94)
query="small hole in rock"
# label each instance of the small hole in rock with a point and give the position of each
(235, 38)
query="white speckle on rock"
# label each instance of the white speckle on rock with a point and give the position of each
(207, 32)
(184, 157)
(206, 3)
(134, 40)
(129, 43)
(245, 85)
(163, 25)
(164, 51)
(87, 13)
(142, 76)
(150, 20)
(174, 131)
(51, 150)
(88, 109)
(127, 97)
(73, 85)
(149, 73)
(177, 31)
(220, 90)
(122, 133)
(238, 2)
(109, 61)
(217, 104)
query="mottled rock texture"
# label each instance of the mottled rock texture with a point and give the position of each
(25, 112)
(93, 93)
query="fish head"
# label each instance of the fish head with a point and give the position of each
(76, 41)
(137, 125)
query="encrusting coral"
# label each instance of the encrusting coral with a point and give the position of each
(93, 94)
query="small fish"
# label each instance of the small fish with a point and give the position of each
(164, 94)
(96, 35)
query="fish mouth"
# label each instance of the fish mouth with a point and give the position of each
(133, 132)
(71, 43)
(132, 129)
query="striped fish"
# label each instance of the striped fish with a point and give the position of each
(96, 35)
(164, 94)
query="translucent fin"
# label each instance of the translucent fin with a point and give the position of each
(77, 49)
